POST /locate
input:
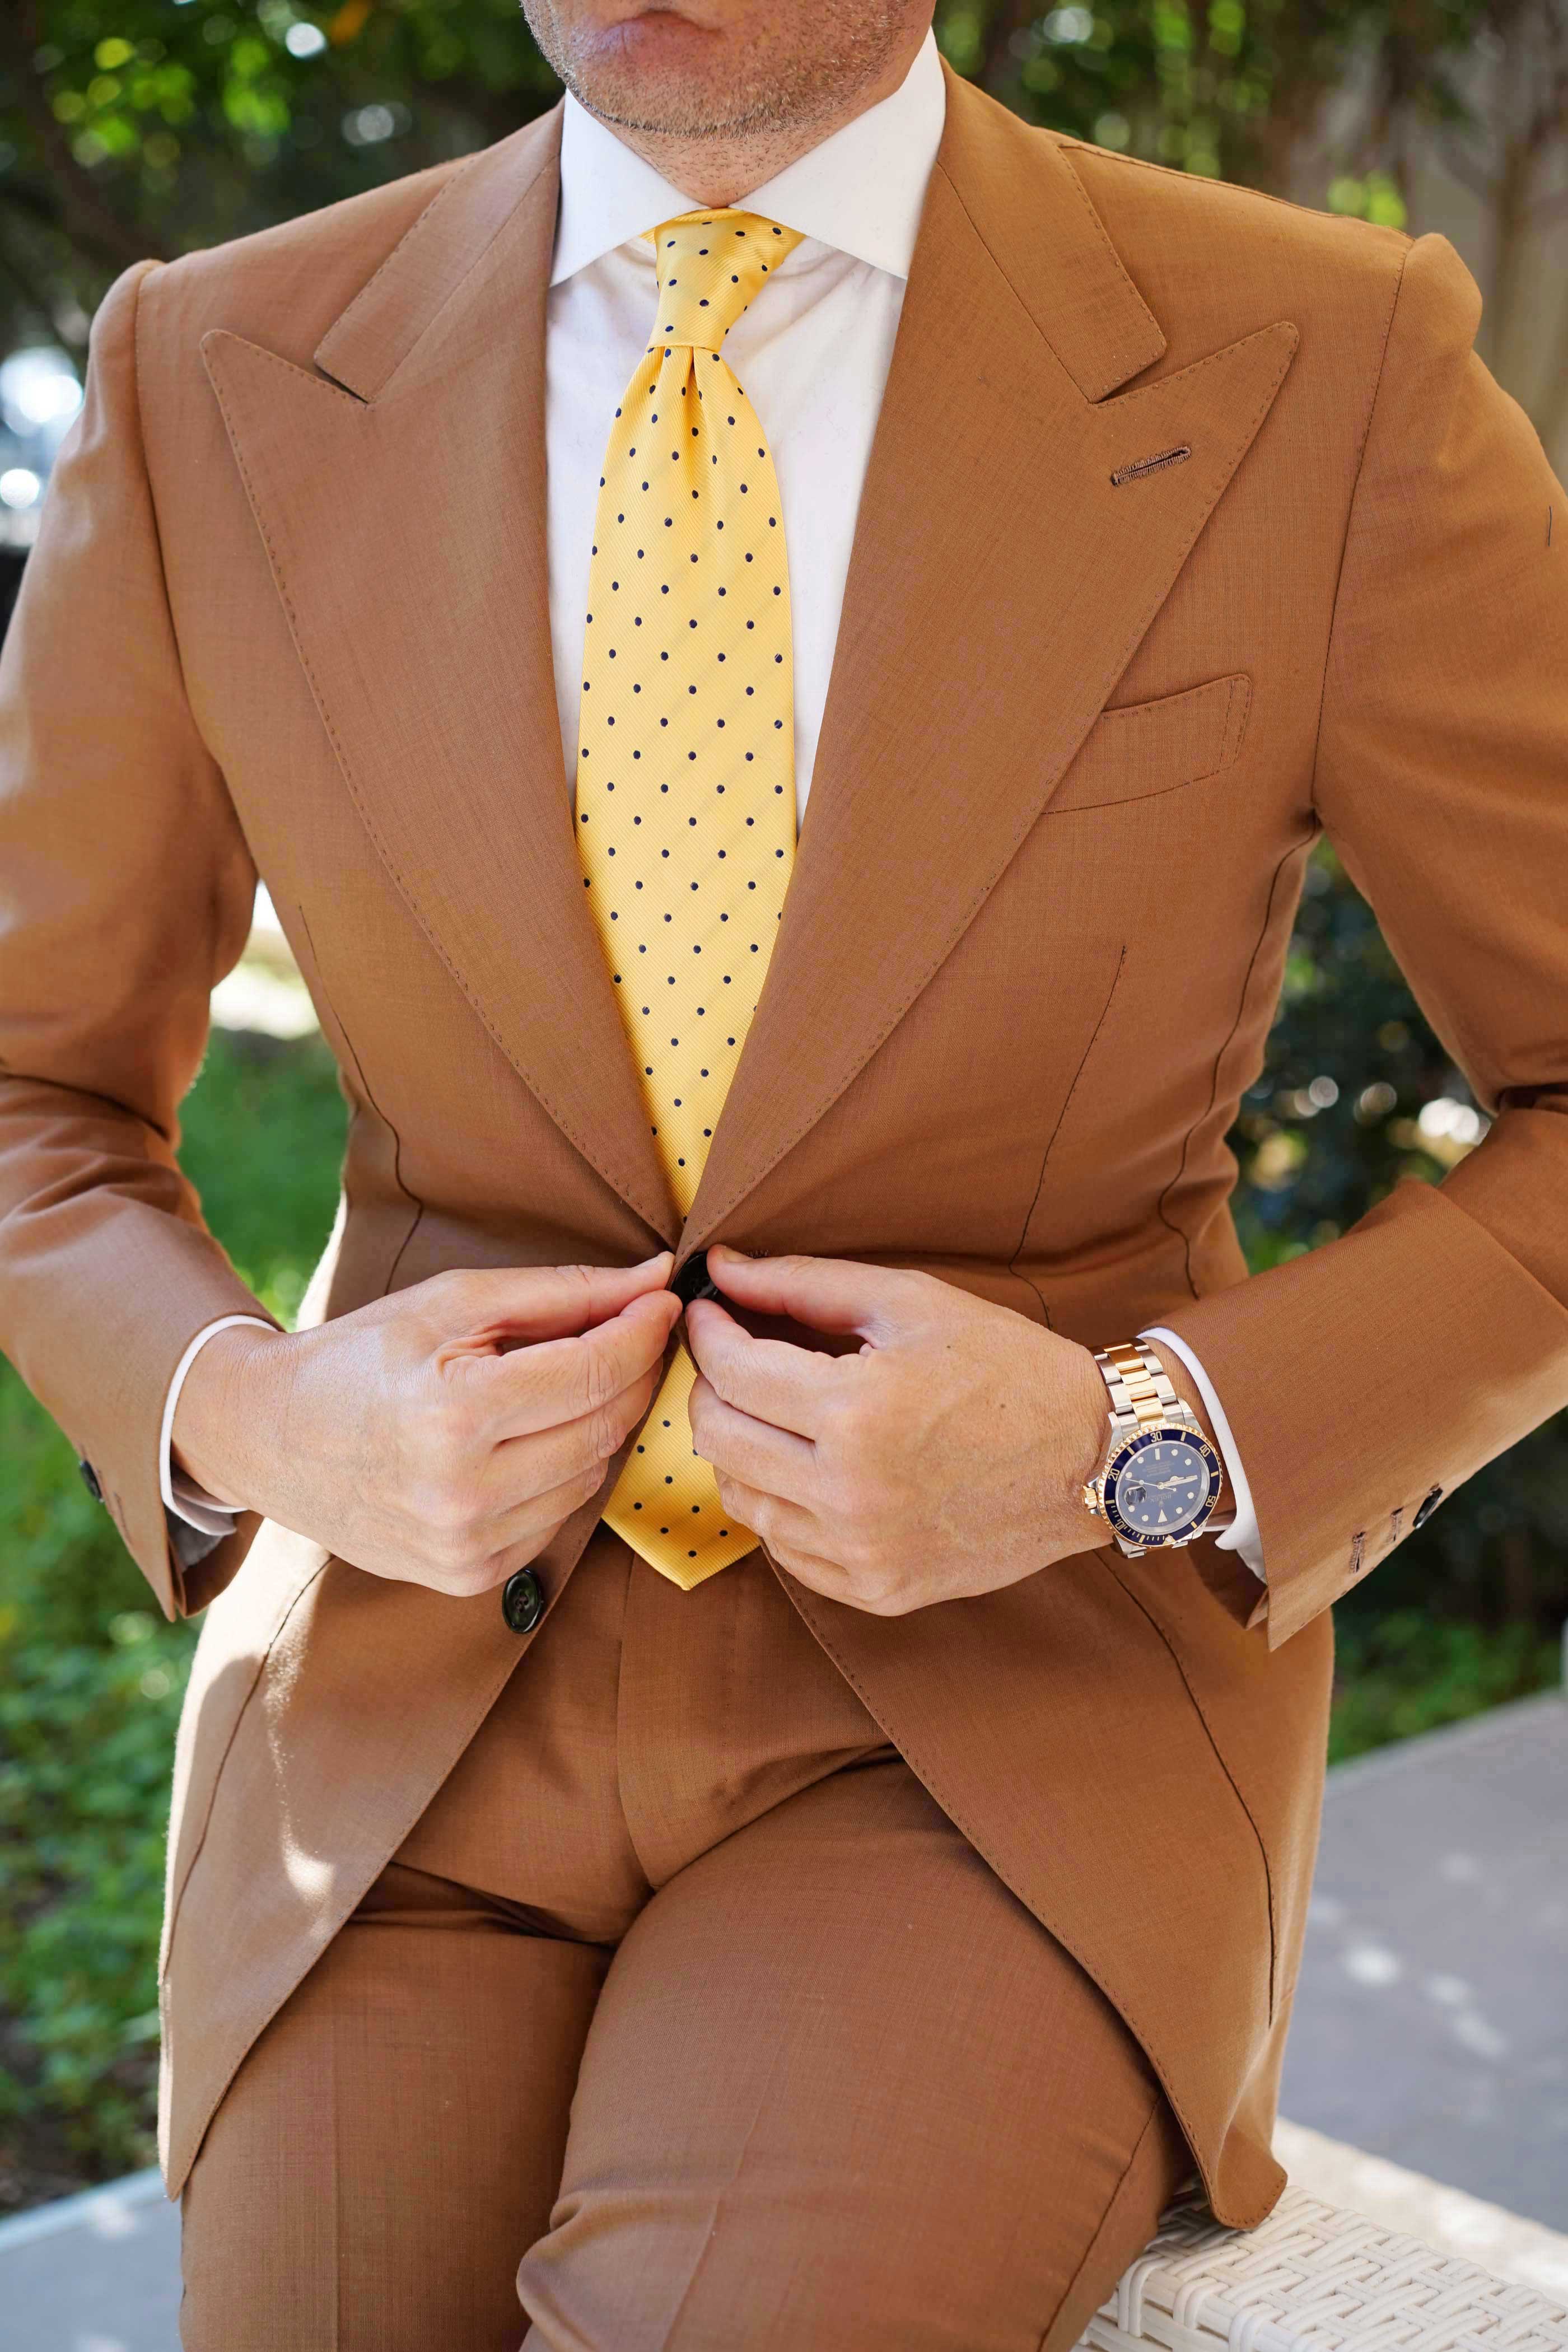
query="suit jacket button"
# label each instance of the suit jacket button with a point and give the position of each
(522, 1600)
(89, 1480)
(694, 1281)
(1428, 1504)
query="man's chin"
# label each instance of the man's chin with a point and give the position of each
(660, 73)
(635, 106)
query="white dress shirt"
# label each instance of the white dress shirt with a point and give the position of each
(814, 358)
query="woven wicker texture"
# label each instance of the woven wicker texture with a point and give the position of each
(1313, 2278)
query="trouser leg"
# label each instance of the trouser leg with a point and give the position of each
(843, 2094)
(393, 2140)
(840, 2093)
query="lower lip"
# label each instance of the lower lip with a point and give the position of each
(656, 27)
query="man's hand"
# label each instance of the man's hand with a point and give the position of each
(440, 1436)
(947, 1457)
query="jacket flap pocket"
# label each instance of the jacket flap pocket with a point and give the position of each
(1144, 748)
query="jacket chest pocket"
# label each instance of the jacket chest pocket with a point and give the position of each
(1142, 749)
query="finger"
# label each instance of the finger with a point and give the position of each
(535, 1518)
(558, 1381)
(541, 1459)
(824, 1576)
(826, 1294)
(736, 1447)
(782, 1524)
(464, 1563)
(773, 1382)
(548, 1302)
(518, 1541)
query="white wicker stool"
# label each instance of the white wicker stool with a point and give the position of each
(1313, 2279)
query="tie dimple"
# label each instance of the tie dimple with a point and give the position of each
(685, 788)
(710, 265)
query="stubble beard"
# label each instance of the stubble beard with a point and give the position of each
(782, 86)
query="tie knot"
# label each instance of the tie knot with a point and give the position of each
(710, 266)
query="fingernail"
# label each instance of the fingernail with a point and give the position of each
(654, 1260)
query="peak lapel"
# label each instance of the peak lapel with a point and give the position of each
(401, 497)
(1000, 583)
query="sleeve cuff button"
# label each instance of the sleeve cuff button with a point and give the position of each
(1424, 1509)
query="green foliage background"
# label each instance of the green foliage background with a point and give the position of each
(91, 1676)
(130, 127)
(137, 126)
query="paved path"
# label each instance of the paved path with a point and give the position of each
(1430, 2033)
(1432, 2022)
(94, 2274)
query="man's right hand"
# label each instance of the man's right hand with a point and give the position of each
(442, 1436)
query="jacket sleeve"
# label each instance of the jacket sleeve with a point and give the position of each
(126, 891)
(1366, 1379)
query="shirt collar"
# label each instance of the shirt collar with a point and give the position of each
(861, 192)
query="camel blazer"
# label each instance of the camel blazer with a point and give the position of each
(1191, 527)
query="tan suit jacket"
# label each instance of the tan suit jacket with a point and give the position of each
(288, 616)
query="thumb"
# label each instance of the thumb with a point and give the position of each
(826, 1294)
(521, 1304)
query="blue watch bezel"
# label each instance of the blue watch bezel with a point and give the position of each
(1121, 1454)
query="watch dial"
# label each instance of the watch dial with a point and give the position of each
(1163, 1488)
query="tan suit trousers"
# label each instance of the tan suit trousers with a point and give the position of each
(683, 2019)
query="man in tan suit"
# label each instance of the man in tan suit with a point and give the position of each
(837, 1908)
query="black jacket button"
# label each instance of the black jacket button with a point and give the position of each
(89, 1480)
(522, 1600)
(694, 1281)
(1428, 1504)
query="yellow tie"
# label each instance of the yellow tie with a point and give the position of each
(685, 800)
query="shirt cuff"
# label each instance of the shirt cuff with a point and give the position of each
(182, 1495)
(1242, 1535)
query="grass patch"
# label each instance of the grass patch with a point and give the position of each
(1405, 1673)
(91, 1677)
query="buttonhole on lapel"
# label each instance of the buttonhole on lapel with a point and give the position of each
(1130, 473)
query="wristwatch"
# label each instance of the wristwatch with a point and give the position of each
(1161, 1481)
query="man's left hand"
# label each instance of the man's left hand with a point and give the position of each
(946, 1457)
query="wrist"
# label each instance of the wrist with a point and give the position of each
(1161, 1475)
(1186, 1388)
(226, 1405)
(1087, 1405)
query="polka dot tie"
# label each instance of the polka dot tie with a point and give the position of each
(685, 800)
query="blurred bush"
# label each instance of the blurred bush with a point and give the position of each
(1404, 1672)
(135, 127)
(91, 1677)
(1356, 1094)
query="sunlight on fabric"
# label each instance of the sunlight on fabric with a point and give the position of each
(264, 994)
